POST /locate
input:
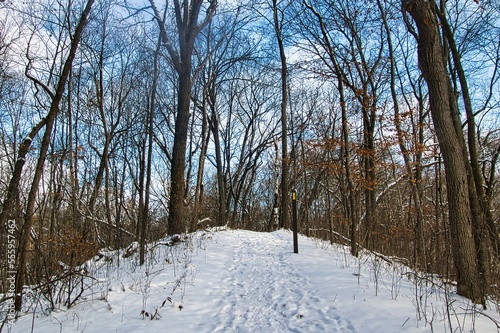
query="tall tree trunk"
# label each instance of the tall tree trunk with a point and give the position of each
(484, 224)
(188, 28)
(205, 137)
(149, 161)
(370, 177)
(432, 65)
(177, 218)
(50, 118)
(221, 183)
(73, 155)
(304, 209)
(350, 207)
(278, 28)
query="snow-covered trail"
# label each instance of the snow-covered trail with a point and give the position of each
(262, 290)
(239, 281)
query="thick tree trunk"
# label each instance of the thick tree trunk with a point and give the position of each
(177, 216)
(431, 63)
(484, 224)
(221, 183)
(186, 15)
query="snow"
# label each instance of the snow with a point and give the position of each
(244, 281)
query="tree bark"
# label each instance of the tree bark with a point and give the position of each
(432, 65)
(484, 224)
(176, 208)
(221, 182)
(205, 137)
(188, 28)
(278, 28)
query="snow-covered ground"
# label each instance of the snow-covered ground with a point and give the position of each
(243, 281)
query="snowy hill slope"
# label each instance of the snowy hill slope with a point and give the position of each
(243, 281)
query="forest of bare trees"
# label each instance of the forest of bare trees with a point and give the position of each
(124, 121)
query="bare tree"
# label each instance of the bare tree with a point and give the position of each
(108, 104)
(484, 226)
(187, 29)
(442, 103)
(48, 121)
(278, 19)
(227, 59)
(413, 177)
(144, 214)
(356, 67)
